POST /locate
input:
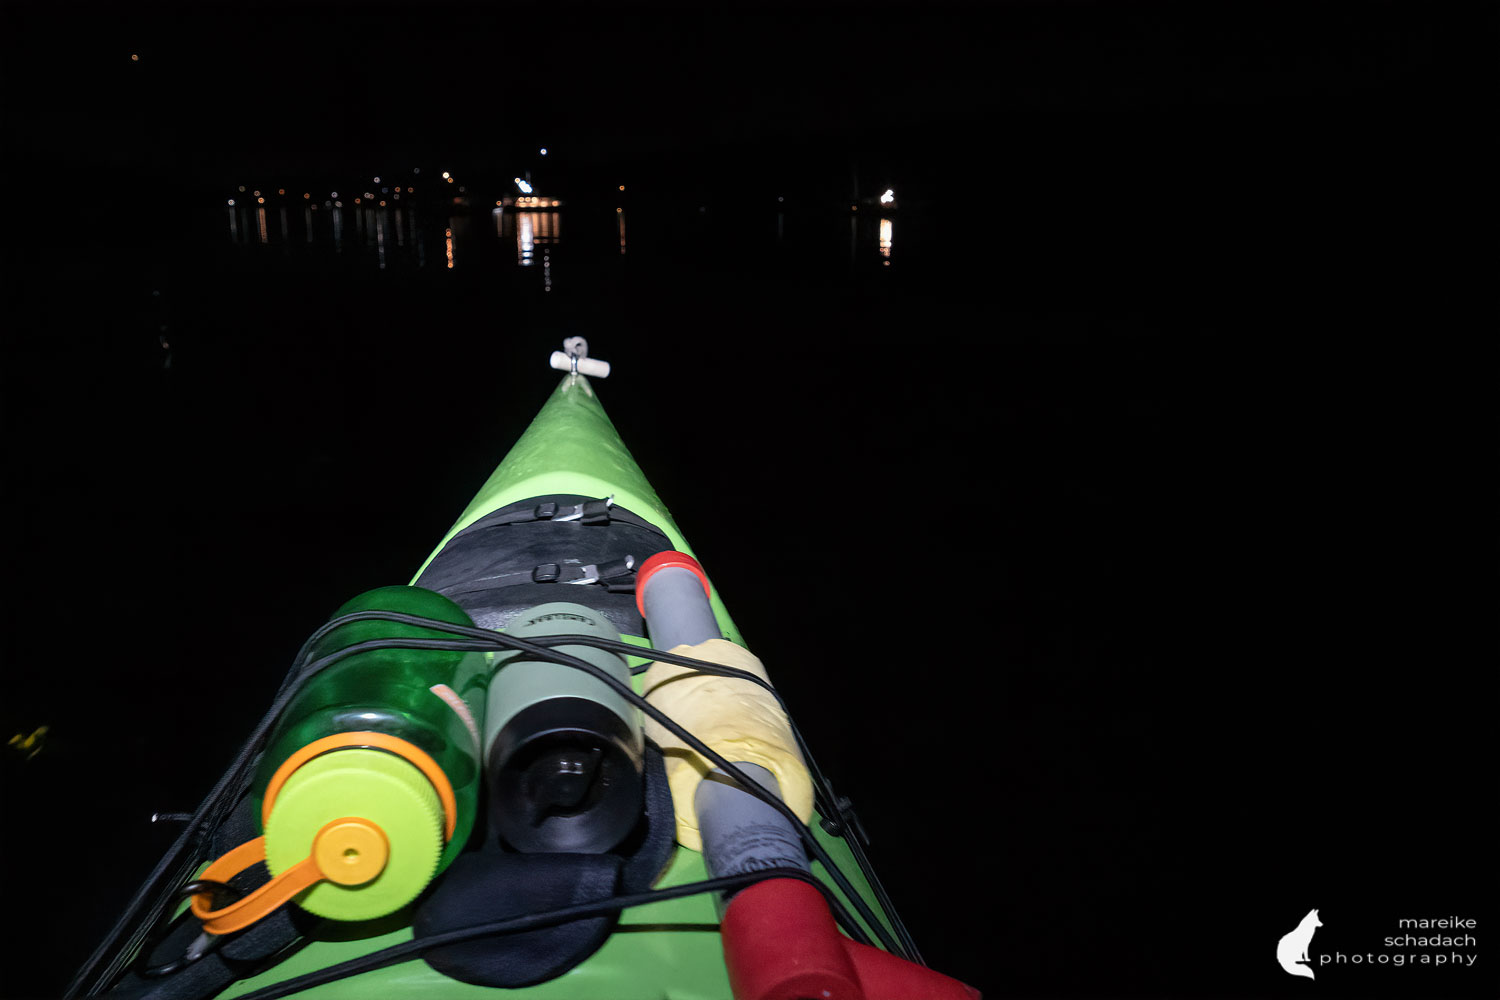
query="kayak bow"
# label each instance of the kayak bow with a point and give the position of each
(638, 831)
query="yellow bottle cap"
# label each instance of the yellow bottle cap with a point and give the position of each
(371, 822)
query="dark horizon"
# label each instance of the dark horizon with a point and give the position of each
(1117, 121)
(281, 88)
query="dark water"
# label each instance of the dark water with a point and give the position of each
(1107, 513)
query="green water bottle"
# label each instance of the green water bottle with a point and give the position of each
(369, 784)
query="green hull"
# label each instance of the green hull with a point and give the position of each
(669, 950)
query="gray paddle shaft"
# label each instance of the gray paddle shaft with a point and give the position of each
(677, 609)
(740, 832)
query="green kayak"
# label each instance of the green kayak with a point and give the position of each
(599, 797)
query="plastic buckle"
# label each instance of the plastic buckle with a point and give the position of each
(585, 575)
(546, 573)
(846, 820)
(609, 572)
(588, 512)
(545, 511)
(618, 570)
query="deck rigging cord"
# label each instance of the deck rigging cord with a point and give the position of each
(525, 922)
(535, 647)
(150, 902)
(835, 812)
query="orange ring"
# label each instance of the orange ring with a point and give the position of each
(413, 755)
(669, 559)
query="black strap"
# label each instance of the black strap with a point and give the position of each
(584, 511)
(588, 512)
(613, 574)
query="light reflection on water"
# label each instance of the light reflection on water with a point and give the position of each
(536, 230)
(390, 233)
(536, 234)
(525, 239)
(404, 235)
(866, 231)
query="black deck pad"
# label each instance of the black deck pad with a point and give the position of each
(487, 568)
(492, 884)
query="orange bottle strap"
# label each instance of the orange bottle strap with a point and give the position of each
(243, 913)
(309, 871)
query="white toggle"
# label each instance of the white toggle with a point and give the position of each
(592, 367)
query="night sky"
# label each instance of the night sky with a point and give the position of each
(1145, 507)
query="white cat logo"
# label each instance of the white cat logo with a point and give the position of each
(1291, 950)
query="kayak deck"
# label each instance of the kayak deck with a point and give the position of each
(667, 950)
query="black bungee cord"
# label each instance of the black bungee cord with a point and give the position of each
(211, 812)
(578, 911)
(543, 650)
(485, 643)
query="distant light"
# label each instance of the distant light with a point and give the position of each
(619, 210)
(450, 180)
(780, 198)
(231, 202)
(411, 190)
(257, 194)
(242, 189)
(888, 197)
(307, 195)
(260, 201)
(333, 194)
(416, 170)
(523, 185)
(498, 205)
(622, 187)
(445, 176)
(382, 203)
(356, 201)
(377, 180)
(281, 190)
(544, 150)
(134, 57)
